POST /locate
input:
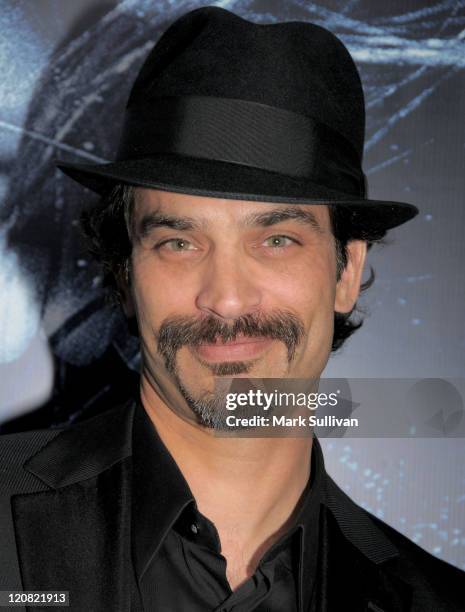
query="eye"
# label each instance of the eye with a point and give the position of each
(176, 244)
(279, 241)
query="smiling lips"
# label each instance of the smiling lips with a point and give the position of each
(241, 348)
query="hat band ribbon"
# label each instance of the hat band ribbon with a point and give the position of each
(246, 133)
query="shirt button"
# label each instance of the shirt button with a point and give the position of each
(194, 528)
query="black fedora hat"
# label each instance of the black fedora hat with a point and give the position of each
(224, 107)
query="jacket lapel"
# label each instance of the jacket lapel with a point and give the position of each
(356, 561)
(75, 535)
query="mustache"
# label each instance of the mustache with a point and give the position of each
(179, 331)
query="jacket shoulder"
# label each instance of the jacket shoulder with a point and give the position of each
(434, 584)
(432, 578)
(61, 456)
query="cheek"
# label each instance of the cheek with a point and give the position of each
(157, 292)
(309, 290)
(308, 287)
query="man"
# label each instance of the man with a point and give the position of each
(234, 227)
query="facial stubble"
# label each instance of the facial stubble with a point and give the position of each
(209, 409)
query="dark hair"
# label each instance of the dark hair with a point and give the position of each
(105, 227)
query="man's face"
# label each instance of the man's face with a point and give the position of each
(229, 288)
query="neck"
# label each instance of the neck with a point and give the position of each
(248, 487)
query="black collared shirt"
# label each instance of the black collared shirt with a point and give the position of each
(177, 550)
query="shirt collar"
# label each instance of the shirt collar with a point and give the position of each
(161, 494)
(306, 524)
(160, 491)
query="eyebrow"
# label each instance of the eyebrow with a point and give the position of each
(156, 219)
(289, 213)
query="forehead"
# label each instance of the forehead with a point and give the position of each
(209, 210)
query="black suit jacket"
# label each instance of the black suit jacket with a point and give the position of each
(65, 525)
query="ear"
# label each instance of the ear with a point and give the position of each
(348, 286)
(125, 296)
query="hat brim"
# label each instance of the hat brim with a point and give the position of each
(230, 181)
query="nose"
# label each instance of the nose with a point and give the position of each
(229, 288)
